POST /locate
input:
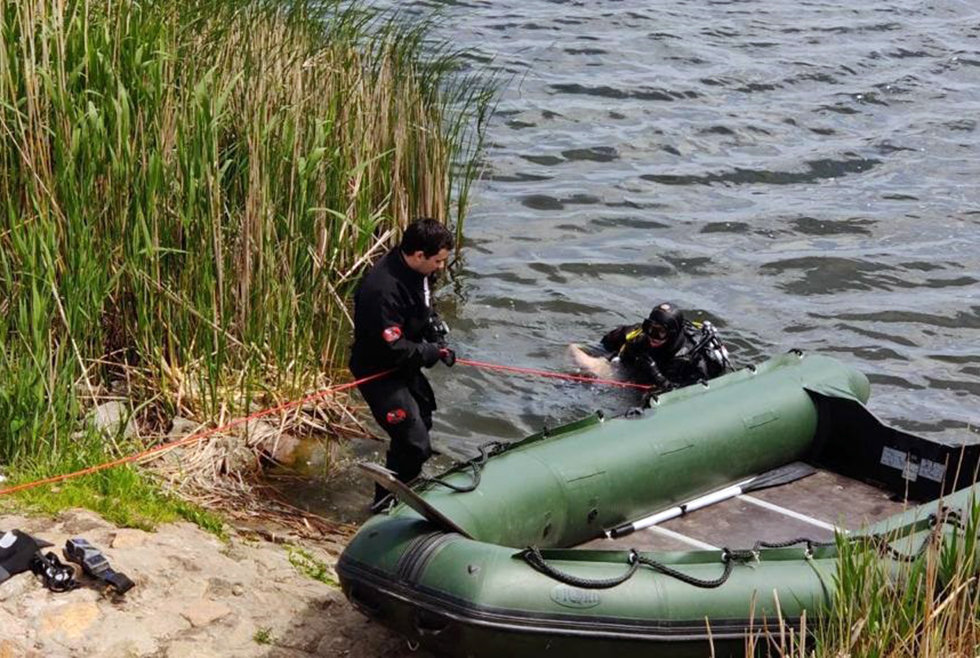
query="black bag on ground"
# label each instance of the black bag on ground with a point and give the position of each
(17, 551)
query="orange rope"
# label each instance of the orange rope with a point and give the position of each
(551, 374)
(193, 438)
(199, 436)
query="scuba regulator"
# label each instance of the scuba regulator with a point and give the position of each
(716, 349)
(437, 331)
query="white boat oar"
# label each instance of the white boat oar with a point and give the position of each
(775, 477)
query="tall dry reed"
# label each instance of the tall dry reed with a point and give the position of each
(189, 189)
(924, 605)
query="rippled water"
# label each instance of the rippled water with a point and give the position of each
(804, 174)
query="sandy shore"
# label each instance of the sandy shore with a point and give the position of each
(195, 596)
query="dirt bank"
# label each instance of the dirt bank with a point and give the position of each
(195, 596)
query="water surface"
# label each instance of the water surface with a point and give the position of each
(803, 174)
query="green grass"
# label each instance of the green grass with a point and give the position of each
(928, 607)
(263, 636)
(881, 608)
(123, 496)
(187, 193)
(310, 566)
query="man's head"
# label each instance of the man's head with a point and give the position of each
(425, 245)
(664, 324)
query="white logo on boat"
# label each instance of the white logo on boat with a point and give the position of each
(573, 597)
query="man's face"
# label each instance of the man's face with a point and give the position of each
(427, 265)
(656, 334)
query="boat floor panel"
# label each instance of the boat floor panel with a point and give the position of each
(825, 496)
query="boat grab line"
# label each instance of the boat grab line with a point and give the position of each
(790, 513)
(682, 538)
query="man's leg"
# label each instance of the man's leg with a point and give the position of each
(397, 412)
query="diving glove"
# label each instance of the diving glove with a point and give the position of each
(447, 356)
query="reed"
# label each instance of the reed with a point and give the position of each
(189, 190)
(924, 608)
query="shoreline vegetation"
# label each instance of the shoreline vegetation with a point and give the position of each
(189, 192)
(922, 602)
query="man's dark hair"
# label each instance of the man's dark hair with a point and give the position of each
(426, 235)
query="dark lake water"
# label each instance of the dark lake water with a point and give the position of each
(803, 174)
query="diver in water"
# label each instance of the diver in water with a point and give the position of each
(666, 351)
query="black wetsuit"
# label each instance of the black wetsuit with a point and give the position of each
(687, 357)
(391, 317)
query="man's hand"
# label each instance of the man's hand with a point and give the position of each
(447, 356)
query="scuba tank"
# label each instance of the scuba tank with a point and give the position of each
(714, 348)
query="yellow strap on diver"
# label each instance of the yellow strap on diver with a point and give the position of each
(630, 336)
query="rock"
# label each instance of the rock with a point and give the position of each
(16, 586)
(159, 622)
(12, 649)
(268, 438)
(191, 650)
(128, 538)
(332, 645)
(202, 613)
(195, 596)
(112, 418)
(126, 649)
(78, 521)
(218, 588)
(282, 448)
(70, 621)
(240, 638)
(181, 427)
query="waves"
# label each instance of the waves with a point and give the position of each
(803, 173)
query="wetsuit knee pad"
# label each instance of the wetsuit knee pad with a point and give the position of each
(397, 411)
(410, 437)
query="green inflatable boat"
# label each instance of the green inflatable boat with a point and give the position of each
(509, 554)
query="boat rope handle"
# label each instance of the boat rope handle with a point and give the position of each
(880, 542)
(532, 555)
(487, 450)
(728, 557)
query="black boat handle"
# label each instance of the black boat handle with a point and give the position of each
(430, 627)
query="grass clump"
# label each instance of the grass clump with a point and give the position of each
(310, 566)
(263, 636)
(122, 495)
(188, 191)
(919, 599)
(924, 607)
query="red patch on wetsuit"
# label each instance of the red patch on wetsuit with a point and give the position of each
(391, 334)
(395, 416)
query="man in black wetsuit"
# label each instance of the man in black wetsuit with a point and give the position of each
(667, 351)
(396, 328)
